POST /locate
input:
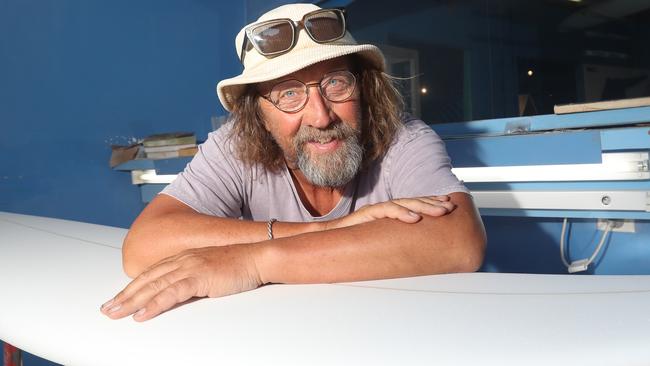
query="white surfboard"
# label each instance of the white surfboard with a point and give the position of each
(55, 274)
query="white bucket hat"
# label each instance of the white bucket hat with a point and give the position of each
(306, 52)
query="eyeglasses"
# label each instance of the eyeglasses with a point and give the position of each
(275, 37)
(291, 96)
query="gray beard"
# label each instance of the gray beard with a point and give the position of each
(334, 169)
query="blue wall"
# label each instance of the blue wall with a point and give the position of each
(531, 245)
(78, 76)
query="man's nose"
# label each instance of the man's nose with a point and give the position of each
(317, 112)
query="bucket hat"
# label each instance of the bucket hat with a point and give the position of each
(259, 68)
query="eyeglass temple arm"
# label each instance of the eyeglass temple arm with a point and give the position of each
(243, 49)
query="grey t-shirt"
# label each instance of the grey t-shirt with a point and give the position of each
(216, 183)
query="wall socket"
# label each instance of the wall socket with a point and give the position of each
(620, 225)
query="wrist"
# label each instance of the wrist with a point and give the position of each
(325, 225)
(288, 229)
(330, 225)
(264, 255)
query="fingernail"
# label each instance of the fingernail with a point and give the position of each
(107, 304)
(413, 214)
(114, 308)
(140, 313)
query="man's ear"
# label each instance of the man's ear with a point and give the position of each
(263, 121)
(266, 126)
(259, 112)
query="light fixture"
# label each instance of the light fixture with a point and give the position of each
(614, 166)
(149, 176)
(530, 72)
(423, 90)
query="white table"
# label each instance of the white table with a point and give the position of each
(55, 274)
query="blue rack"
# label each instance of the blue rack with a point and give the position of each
(545, 140)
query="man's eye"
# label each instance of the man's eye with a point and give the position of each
(336, 83)
(289, 94)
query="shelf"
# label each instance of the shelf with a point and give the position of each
(161, 166)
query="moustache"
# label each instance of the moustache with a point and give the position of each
(338, 131)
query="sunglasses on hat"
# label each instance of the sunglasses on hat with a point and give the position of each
(277, 36)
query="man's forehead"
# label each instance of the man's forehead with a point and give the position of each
(315, 71)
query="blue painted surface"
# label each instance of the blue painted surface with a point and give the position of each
(579, 147)
(625, 138)
(616, 117)
(528, 240)
(255, 8)
(149, 191)
(80, 76)
(531, 245)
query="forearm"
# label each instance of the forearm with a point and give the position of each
(375, 250)
(161, 232)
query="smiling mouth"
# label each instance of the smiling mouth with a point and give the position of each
(323, 140)
(325, 144)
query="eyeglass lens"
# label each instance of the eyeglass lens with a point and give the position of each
(273, 37)
(325, 26)
(292, 95)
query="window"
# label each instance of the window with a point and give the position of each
(504, 58)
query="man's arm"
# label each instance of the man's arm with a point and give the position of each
(376, 249)
(379, 249)
(167, 226)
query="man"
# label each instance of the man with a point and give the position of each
(316, 178)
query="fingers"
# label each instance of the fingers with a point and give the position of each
(152, 291)
(426, 205)
(439, 198)
(445, 203)
(394, 210)
(408, 210)
(210, 271)
(166, 299)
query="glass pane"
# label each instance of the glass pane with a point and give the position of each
(480, 59)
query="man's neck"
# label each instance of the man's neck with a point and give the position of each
(319, 201)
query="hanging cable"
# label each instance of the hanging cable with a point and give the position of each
(582, 264)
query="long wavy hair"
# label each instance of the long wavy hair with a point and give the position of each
(382, 109)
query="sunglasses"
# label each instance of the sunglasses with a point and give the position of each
(277, 36)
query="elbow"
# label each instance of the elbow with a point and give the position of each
(471, 254)
(130, 264)
(474, 258)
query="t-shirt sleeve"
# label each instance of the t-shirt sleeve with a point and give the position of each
(419, 164)
(212, 182)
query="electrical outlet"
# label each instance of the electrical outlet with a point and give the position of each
(621, 226)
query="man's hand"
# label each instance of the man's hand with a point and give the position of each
(407, 210)
(203, 272)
